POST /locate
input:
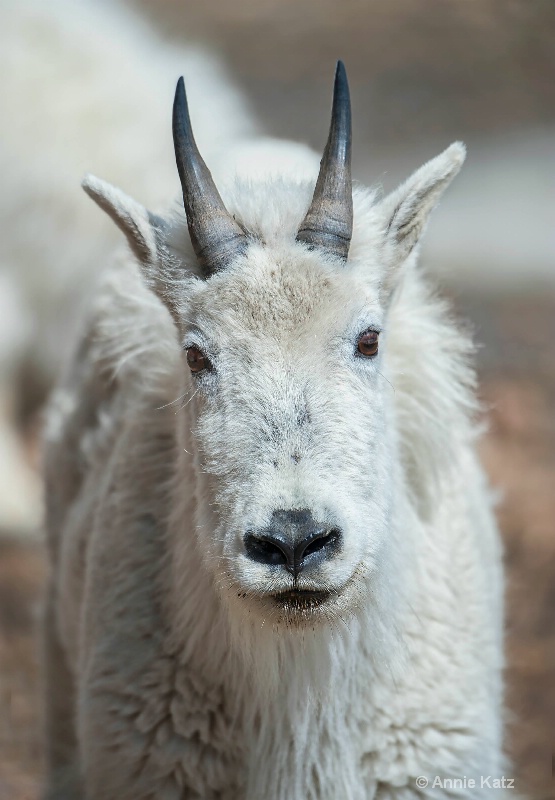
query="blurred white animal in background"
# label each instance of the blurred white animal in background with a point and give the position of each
(85, 85)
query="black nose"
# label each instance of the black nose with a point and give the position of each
(293, 539)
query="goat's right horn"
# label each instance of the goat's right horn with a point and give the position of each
(329, 221)
(215, 235)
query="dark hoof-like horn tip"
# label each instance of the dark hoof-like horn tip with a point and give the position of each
(341, 84)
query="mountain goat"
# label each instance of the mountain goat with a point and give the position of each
(276, 572)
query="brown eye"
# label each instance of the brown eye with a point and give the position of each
(196, 359)
(368, 343)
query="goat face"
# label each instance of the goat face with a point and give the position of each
(294, 429)
(295, 452)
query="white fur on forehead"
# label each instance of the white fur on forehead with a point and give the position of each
(280, 288)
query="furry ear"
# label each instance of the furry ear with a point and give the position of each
(406, 210)
(137, 224)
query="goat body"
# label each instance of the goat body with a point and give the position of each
(181, 663)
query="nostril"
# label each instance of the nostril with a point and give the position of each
(327, 540)
(266, 550)
(318, 546)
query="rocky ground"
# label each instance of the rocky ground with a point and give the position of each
(517, 366)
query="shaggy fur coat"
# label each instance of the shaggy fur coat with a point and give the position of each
(161, 683)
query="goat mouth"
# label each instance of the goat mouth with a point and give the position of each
(301, 599)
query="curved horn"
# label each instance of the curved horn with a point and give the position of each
(215, 235)
(329, 220)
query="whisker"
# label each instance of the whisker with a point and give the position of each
(172, 402)
(386, 380)
(188, 401)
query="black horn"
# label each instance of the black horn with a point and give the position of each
(329, 220)
(215, 235)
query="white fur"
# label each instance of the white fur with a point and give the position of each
(188, 680)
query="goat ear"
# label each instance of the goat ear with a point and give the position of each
(406, 210)
(137, 224)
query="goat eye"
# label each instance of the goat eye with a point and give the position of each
(196, 359)
(367, 344)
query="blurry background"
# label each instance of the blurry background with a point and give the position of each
(423, 73)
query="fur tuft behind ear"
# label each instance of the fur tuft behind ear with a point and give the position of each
(407, 209)
(136, 223)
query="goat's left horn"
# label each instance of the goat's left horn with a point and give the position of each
(329, 220)
(215, 235)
